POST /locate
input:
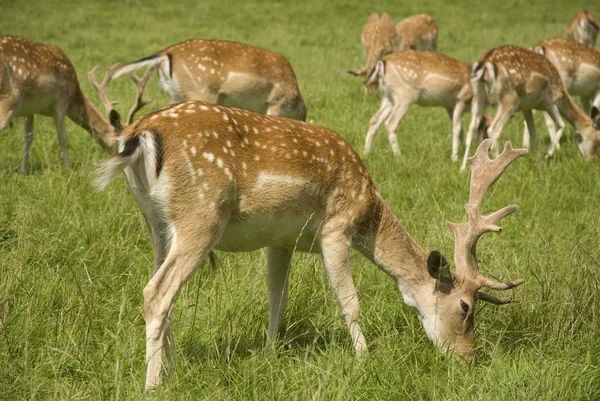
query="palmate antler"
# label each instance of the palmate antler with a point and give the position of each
(485, 172)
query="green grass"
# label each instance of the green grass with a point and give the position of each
(73, 261)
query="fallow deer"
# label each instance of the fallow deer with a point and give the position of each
(584, 28)
(417, 32)
(578, 66)
(212, 177)
(227, 73)
(379, 38)
(426, 79)
(519, 79)
(40, 79)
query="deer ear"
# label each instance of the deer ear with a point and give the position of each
(115, 120)
(595, 115)
(438, 266)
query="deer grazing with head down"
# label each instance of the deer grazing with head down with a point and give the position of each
(226, 73)
(40, 79)
(379, 38)
(211, 177)
(518, 79)
(426, 79)
(417, 32)
(584, 28)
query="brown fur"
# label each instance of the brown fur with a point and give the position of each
(417, 32)
(40, 79)
(584, 28)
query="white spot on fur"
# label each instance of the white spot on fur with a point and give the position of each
(208, 156)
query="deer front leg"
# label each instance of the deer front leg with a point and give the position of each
(456, 116)
(336, 257)
(529, 131)
(554, 142)
(376, 121)
(59, 121)
(278, 268)
(28, 139)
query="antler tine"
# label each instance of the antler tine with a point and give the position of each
(485, 172)
(140, 84)
(101, 87)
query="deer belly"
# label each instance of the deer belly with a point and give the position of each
(245, 91)
(587, 83)
(248, 233)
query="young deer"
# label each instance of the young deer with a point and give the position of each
(584, 28)
(227, 73)
(40, 79)
(379, 38)
(211, 177)
(522, 80)
(424, 78)
(417, 32)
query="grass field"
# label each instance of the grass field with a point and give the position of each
(74, 261)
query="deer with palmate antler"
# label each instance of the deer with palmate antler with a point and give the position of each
(211, 177)
(519, 79)
(424, 78)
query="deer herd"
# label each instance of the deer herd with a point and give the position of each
(231, 165)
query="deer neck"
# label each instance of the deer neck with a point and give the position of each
(88, 117)
(573, 114)
(397, 253)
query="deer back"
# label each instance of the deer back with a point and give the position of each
(417, 32)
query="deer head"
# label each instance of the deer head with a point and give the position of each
(447, 309)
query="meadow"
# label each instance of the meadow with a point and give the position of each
(74, 261)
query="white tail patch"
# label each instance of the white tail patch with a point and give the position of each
(110, 168)
(126, 69)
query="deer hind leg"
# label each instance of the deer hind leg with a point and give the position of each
(189, 247)
(506, 108)
(376, 121)
(457, 134)
(402, 106)
(529, 131)
(556, 118)
(336, 256)
(278, 268)
(477, 111)
(59, 121)
(27, 139)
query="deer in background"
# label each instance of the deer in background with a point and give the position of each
(226, 73)
(584, 28)
(40, 79)
(518, 79)
(211, 177)
(426, 79)
(417, 32)
(379, 38)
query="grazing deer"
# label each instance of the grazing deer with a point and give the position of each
(424, 78)
(584, 28)
(379, 38)
(578, 66)
(227, 73)
(211, 177)
(417, 32)
(523, 80)
(40, 79)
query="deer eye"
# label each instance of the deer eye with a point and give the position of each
(464, 306)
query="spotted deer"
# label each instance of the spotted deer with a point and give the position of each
(226, 73)
(417, 32)
(578, 66)
(424, 78)
(40, 79)
(211, 177)
(519, 79)
(584, 28)
(379, 38)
